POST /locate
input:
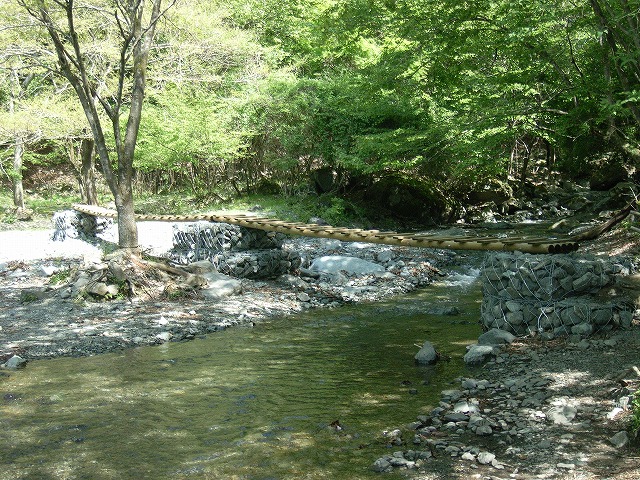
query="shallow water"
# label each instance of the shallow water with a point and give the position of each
(246, 403)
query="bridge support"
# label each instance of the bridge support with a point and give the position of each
(552, 295)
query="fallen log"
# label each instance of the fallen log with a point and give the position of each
(595, 232)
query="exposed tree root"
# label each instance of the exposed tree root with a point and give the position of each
(126, 274)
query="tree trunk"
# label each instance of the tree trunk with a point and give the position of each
(88, 172)
(134, 54)
(84, 168)
(127, 228)
(16, 178)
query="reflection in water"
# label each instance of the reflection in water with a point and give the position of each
(255, 403)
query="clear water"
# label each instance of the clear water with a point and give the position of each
(246, 403)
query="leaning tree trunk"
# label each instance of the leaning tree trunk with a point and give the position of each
(16, 178)
(84, 169)
(88, 172)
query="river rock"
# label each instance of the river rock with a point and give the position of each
(303, 297)
(562, 415)
(583, 329)
(620, 439)
(202, 266)
(444, 310)
(384, 256)
(485, 458)
(220, 286)
(102, 289)
(352, 265)
(456, 417)
(478, 354)
(466, 408)
(14, 363)
(427, 354)
(164, 336)
(495, 336)
(382, 465)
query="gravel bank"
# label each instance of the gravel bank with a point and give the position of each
(38, 321)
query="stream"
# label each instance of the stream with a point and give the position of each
(305, 396)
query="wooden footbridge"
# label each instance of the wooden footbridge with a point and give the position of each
(522, 244)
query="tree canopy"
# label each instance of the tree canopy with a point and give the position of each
(243, 94)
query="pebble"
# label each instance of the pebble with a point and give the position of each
(164, 336)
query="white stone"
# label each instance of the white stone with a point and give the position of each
(220, 286)
(303, 297)
(202, 266)
(49, 270)
(484, 458)
(164, 336)
(562, 415)
(614, 413)
(14, 362)
(352, 265)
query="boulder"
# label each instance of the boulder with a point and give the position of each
(427, 354)
(352, 265)
(620, 439)
(485, 458)
(14, 363)
(478, 354)
(583, 329)
(220, 286)
(562, 415)
(202, 266)
(495, 336)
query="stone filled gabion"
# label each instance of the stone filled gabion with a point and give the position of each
(256, 264)
(72, 224)
(236, 251)
(525, 293)
(215, 237)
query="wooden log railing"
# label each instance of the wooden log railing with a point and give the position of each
(522, 244)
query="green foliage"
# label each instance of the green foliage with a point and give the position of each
(61, 276)
(182, 128)
(635, 414)
(254, 95)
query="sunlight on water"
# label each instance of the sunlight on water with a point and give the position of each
(462, 279)
(244, 403)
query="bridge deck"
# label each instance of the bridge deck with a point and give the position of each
(522, 244)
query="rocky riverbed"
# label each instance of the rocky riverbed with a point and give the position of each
(543, 408)
(41, 316)
(540, 409)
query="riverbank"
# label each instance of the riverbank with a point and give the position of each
(515, 396)
(557, 409)
(40, 319)
(540, 410)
